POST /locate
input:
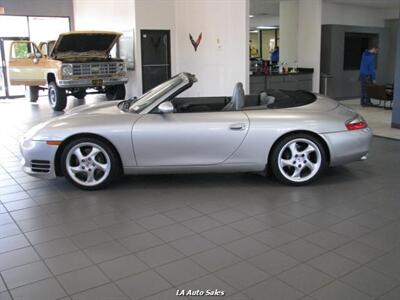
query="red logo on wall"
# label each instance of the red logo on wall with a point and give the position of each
(197, 42)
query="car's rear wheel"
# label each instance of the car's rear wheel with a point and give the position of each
(115, 92)
(57, 97)
(32, 93)
(298, 159)
(89, 163)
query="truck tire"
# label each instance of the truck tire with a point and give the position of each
(32, 93)
(115, 92)
(57, 97)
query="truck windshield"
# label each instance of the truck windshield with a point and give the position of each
(156, 93)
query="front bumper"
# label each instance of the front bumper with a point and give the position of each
(38, 158)
(348, 146)
(74, 83)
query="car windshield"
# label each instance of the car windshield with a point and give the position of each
(156, 93)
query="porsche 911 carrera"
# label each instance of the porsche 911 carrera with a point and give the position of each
(294, 135)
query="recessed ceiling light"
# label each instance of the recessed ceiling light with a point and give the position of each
(251, 16)
(267, 27)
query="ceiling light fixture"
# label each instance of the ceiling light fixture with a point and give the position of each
(251, 16)
(267, 27)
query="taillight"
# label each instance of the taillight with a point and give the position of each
(356, 123)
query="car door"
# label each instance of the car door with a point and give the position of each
(27, 64)
(185, 139)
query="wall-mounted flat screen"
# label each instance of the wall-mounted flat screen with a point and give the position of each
(354, 46)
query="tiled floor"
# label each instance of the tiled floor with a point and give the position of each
(145, 237)
(378, 119)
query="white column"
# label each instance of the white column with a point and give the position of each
(288, 30)
(309, 38)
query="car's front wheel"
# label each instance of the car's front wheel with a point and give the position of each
(89, 163)
(298, 159)
(57, 97)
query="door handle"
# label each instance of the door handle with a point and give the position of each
(237, 126)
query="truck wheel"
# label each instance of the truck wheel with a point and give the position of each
(57, 97)
(80, 94)
(115, 92)
(32, 93)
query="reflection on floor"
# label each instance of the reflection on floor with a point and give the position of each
(378, 119)
(147, 236)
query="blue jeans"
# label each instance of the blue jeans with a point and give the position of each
(365, 80)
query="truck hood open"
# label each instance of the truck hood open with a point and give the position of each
(96, 44)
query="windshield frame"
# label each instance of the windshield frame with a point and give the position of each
(162, 92)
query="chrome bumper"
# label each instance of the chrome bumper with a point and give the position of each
(73, 83)
(348, 146)
(38, 158)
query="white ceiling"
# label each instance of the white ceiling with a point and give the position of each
(271, 7)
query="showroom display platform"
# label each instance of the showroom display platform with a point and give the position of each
(145, 237)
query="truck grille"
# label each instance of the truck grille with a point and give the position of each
(40, 166)
(88, 69)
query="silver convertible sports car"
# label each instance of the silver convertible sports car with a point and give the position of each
(295, 135)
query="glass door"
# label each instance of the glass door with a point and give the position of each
(12, 91)
(33, 28)
(2, 71)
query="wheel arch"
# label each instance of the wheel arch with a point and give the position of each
(51, 77)
(57, 158)
(315, 135)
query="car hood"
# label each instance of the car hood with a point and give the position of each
(93, 118)
(108, 107)
(96, 44)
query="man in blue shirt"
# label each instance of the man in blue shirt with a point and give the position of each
(367, 73)
(275, 56)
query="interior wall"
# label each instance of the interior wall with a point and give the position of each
(345, 84)
(392, 26)
(154, 14)
(356, 15)
(107, 15)
(309, 38)
(288, 27)
(222, 57)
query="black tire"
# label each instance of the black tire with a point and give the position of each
(115, 92)
(32, 93)
(115, 167)
(284, 173)
(57, 97)
(80, 94)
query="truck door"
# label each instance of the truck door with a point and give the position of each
(27, 65)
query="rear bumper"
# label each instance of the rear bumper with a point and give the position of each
(38, 158)
(348, 146)
(73, 83)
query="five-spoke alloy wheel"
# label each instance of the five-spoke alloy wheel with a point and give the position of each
(89, 163)
(298, 159)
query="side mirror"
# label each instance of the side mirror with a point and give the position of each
(166, 107)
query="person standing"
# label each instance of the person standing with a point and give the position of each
(367, 73)
(275, 55)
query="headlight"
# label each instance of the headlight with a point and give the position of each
(66, 70)
(121, 67)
